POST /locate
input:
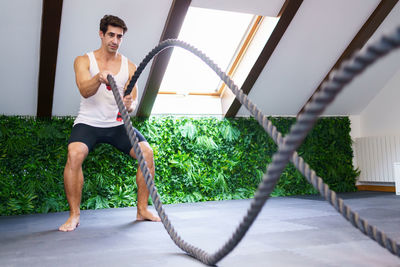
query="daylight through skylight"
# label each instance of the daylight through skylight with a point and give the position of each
(218, 34)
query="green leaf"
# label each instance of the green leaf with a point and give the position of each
(206, 142)
(188, 130)
(230, 133)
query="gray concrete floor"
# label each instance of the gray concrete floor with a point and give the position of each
(290, 231)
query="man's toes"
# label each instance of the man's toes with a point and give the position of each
(63, 229)
(147, 217)
(67, 228)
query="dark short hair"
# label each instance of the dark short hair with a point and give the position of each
(113, 21)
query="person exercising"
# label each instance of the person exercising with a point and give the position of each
(97, 118)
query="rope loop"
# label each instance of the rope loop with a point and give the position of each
(286, 146)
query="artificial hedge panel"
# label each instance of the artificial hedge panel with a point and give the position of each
(197, 159)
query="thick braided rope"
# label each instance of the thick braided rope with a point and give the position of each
(287, 146)
(329, 90)
(196, 252)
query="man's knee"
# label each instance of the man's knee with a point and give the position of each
(76, 154)
(147, 152)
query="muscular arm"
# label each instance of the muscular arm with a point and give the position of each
(87, 84)
(131, 100)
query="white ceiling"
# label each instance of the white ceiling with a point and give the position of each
(315, 39)
(255, 7)
(19, 52)
(357, 95)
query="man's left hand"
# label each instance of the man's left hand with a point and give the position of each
(129, 103)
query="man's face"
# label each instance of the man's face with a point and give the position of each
(112, 38)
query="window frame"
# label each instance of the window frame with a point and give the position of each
(236, 59)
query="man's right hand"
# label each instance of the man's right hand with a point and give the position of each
(103, 77)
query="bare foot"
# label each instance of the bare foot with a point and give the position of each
(146, 215)
(70, 224)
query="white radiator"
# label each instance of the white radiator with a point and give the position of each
(376, 156)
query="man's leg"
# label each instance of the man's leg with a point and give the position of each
(143, 193)
(73, 183)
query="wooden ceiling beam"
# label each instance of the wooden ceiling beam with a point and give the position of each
(172, 28)
(51, 22)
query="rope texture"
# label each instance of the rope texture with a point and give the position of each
(286, 145)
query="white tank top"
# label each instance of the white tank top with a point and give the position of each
(100, 109)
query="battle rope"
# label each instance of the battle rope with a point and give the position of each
(286, 146)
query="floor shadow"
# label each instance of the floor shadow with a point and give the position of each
(128, 225)
(22, 237)
(188, 257)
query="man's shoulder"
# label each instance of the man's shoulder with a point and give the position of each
(84, 56)
(132, 66)
(83, 59)
(129, 61)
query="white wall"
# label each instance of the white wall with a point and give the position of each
(382, 116)
(20, 24)
(79, 34)
(355, 121)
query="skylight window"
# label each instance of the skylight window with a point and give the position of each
(232, 40)
(218, 34)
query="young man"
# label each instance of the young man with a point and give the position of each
(96, 121)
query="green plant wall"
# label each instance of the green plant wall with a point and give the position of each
(197, 159)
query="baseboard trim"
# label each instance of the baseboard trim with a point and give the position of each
(379, 188)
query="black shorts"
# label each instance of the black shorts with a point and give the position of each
(115, 136)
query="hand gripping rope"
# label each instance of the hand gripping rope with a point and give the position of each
(119, 117)
(286, 145)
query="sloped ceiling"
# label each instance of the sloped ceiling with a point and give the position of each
(256, 7)
(357, 95)
(315, 39)
(317, 36)
(19, 52)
